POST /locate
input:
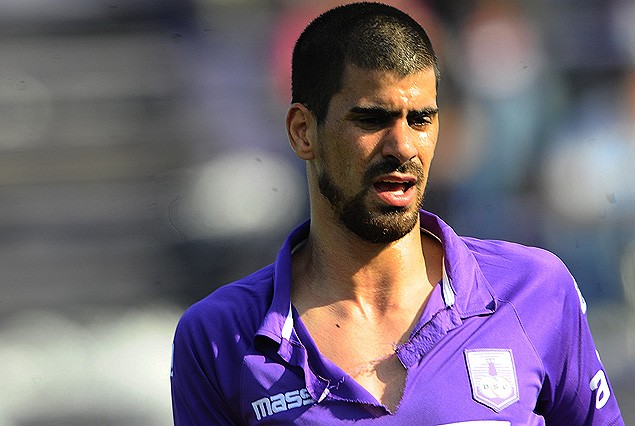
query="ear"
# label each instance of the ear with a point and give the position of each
(301, 127)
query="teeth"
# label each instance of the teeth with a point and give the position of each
(394, 185)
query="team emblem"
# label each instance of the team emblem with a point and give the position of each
(493, 377)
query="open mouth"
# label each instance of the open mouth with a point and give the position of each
(394, 185)
(396, 191)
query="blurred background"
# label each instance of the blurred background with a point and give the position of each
(144, 162)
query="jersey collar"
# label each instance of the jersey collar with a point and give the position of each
(464, 289)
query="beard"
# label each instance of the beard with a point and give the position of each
(384, 224)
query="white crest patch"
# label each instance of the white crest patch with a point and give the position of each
(493, 377)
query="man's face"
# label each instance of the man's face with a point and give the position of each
(374, 151)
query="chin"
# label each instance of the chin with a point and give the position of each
(382, 228)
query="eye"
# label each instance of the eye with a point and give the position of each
(371, 121)
(418, 120)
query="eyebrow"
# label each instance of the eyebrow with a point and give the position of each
(379, 111)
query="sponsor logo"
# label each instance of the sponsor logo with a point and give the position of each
(269, 405)
(493, 378)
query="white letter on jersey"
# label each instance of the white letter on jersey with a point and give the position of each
(262, 408)
(582, 301)
(599, 382)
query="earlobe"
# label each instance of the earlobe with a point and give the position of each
(300, 127)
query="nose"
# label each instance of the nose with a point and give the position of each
(400, 141)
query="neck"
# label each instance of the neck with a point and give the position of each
(337, 268)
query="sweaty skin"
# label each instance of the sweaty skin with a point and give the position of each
(360, 298)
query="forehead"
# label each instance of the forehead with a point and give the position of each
(361, 86)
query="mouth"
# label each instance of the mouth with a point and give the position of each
(395, 190)
(394, 183)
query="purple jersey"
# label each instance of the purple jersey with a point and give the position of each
(503, 340)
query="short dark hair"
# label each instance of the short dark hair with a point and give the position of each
(369, 35)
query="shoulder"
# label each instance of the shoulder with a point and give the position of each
(532, 281)
(209, 344)
(516, 272)
(233, 309)
(505, 254)
(511, 259)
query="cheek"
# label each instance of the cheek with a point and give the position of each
(334, 162)
(345, 166)
(429, 142)
(426, 149)
(340, 156)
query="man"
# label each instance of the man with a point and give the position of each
(375, 311)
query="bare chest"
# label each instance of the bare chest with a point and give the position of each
(367, 356)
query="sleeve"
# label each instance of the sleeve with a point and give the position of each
(197, 398)
(576, 389)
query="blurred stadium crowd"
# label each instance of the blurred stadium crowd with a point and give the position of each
(144, 162)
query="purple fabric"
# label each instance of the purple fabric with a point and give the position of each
(514, 347)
